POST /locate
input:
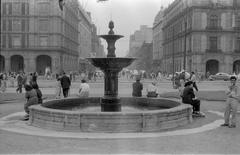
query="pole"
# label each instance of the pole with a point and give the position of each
(173, 63)
(185, 47)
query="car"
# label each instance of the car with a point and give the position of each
(220, 76)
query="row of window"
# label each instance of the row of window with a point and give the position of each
(16, 8)
(22, 8)
(213, 46)
(15, 25)
(22, 25)
(21, 41)
(214, 22)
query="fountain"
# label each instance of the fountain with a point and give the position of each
(126, 114)
(111, 66)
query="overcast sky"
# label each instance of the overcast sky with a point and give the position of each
(127, 15)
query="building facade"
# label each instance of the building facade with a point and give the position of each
(36, 34)
(202, 36)
(158, 41)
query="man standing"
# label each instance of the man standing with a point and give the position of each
(19, 83)
(232, 102)
(137, 88)
(65, 83)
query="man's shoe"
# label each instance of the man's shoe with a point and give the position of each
(232, 126)
(224, 124)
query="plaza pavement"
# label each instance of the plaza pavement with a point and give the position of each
(217, 140)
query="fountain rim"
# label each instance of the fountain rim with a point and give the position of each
(173, 109)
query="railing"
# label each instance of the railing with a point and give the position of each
(213, 51)
(214, 28)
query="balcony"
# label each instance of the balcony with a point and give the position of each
(214, 28)
(237, 28)
(213, 51)
(237, 51)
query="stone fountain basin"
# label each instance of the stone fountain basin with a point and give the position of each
(111, 63)
(164, 114)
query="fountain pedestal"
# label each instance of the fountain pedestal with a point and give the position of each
(111, 66)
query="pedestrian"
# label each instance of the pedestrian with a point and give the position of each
(233, 99)
(137, 87)
(188, 97)
(34, 78)
(65, 83)
(38, 91)
(24, 80)
(58, 87)
(84, 89)
(19, 83)
(152, 90)
(32, 99)
(3, 83)
(11, 80)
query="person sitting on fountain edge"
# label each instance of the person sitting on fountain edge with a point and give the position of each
(152, 90)
(137, 87)
(188, 97)
(84, 89)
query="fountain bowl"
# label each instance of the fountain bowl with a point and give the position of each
(162, 114)
(115, 63)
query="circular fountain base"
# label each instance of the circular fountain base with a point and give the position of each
(159, 114)
(110, 104)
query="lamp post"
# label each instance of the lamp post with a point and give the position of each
(173, 61)
(185, 46)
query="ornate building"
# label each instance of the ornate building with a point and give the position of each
(204, 35)
(158, 41)
(36, 34)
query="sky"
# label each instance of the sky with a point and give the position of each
(127, 16)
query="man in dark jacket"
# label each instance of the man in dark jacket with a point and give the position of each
(137, 88)
(188, 97)
(66, 83)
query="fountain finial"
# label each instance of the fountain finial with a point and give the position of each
(111, 26)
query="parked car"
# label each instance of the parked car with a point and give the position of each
(220, 76)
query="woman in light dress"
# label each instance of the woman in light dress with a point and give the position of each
(58, 87)
(84, 89)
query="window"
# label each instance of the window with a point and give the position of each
(4, 41)
(238, 21)
(4, 27)
(43, 8)
(238, 44)
(16, 41)
(9, 25)
(4, 9)
(16, 8)
(213, 21)
(213, 43)
(43, 24)
(16, 25)
(43, 41)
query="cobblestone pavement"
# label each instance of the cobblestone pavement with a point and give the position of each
(220, 140)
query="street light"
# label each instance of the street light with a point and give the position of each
(173, 61)
(185, 47)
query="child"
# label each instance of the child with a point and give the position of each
(38, 91)
(32, 99)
